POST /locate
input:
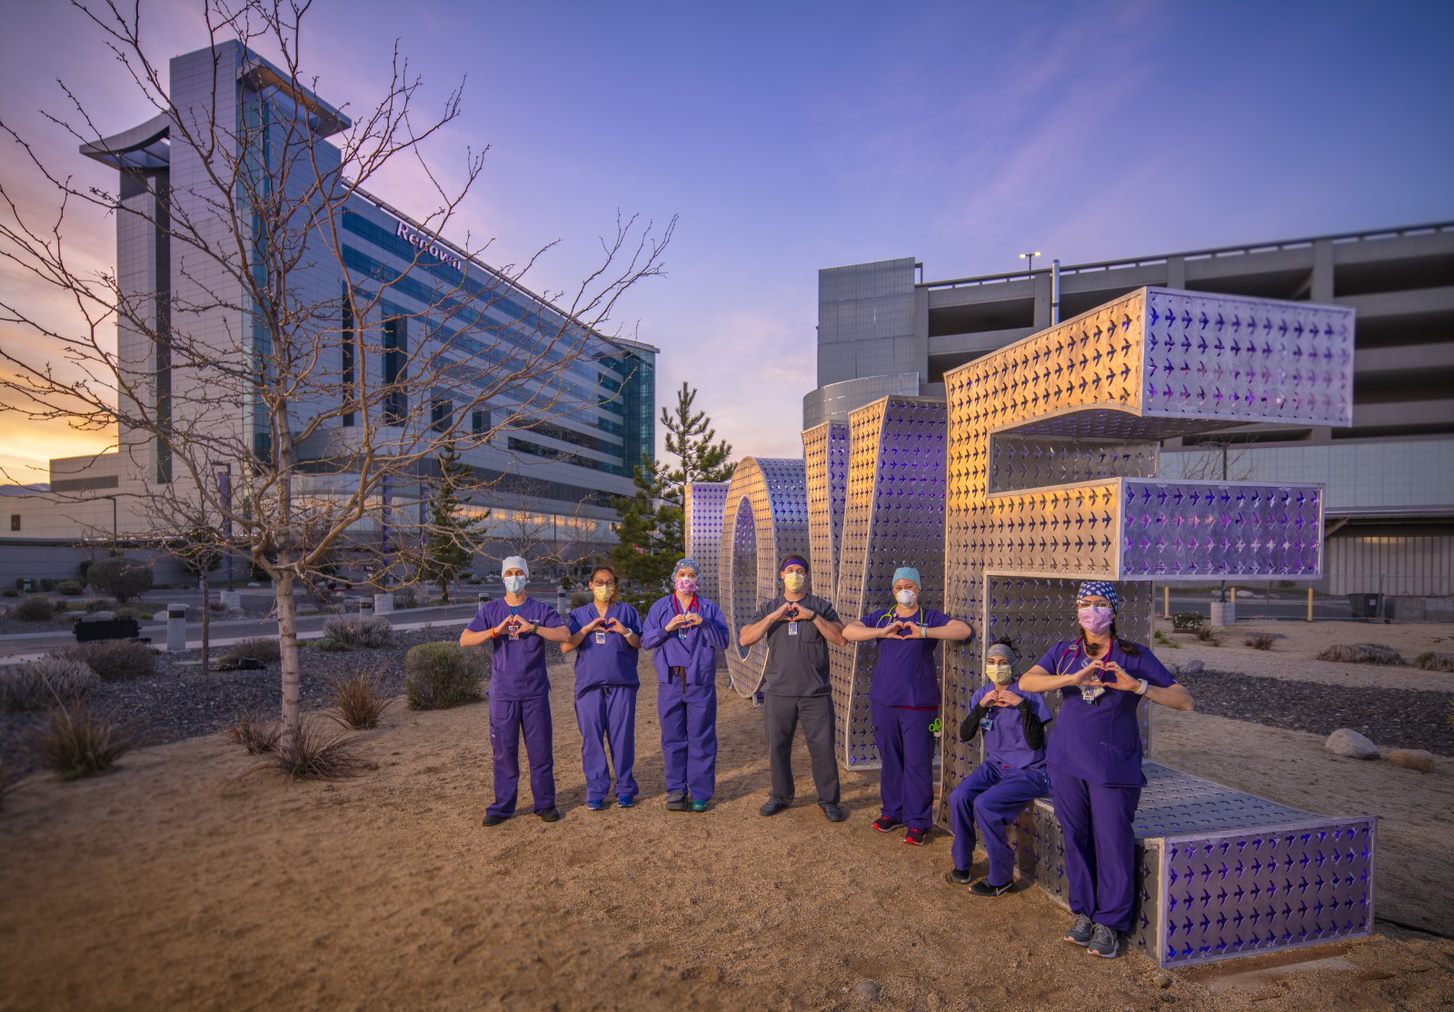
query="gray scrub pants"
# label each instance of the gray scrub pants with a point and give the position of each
(780, 716)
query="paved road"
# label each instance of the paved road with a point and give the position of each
(1261, 607)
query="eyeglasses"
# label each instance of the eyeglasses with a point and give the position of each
(603, 583)
(1092, 602)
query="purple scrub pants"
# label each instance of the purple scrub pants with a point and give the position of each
(990, 799)
(607, 718)
(906, 751)
(508, 717)
(688, 738)
(1100, 847)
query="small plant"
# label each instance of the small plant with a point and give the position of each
(100, 604)
(1187, 621)
(1207, 634)
(70, 588)
(123, 579)
(1260, 641)
(253, 732)
(440, 675)
(1362, 653)
(43, 683)
(114, 660)
(406, 597)
(317, 753)
(77, 742)
(1431, 661)
(1166, 641)
(360, 698)
(36, 608)
(263, 650)
(359, 633)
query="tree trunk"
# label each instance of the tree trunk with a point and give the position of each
(291, 718)
(206, 616)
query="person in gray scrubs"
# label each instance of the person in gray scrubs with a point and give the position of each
(798, 627)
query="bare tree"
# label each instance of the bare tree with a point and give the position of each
(243, 363)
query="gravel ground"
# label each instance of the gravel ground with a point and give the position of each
(1393, 718)
(179, 702)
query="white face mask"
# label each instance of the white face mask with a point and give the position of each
(906, 597)
(515, 584)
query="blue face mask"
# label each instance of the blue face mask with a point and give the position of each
(515, 584)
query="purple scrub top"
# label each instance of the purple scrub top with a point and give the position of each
(1004, 741)
(517, 666)
(609, 663)
(1100, 742)
(905, 673)
(694, 649)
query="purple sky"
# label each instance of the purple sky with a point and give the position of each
(795, 136)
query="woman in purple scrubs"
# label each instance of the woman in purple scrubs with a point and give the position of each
(606, 636)
(904, 701)
(1095, 761)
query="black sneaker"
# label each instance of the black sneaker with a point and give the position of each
(832, 812)
(983, 888)
(884, 824)
(551, 814)
(772, 806)
(959, 877)
(1104, 942)
(676, 802)
(1080, 931)
(491, 819)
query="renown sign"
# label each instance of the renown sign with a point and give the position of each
(430, 245)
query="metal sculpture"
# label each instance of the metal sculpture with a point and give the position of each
(702, 506)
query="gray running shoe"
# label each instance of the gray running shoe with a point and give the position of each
(1080, 932)
(1104, 943)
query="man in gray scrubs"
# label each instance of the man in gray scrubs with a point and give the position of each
(798, 627)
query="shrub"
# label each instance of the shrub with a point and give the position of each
(253, 732)
(43, 683)
(10, 592)
(101, 604)
(264, 650)
(1207, 635)
(70, 588)
(406, 597)
(360, 698)
(1166, 641)
(114, 660)
(33, 609)
(76, 742)
(359, 633)
(123, 579)
(47, 584)
(1431, 661)
(1187, 621)
(1260, 641)
(440, 675)
(1362, 653)
(316, 753)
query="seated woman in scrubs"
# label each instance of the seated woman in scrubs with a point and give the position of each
(1095, 761)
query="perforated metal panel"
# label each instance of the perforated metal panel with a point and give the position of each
(764, 518)
(702, 523)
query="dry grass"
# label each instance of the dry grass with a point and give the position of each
(1260, 641)
(263, 650)
(316, 752)
(360, 698)
(77, 742)
(1207, 635)
(1431, 660)
(1362, 653)
(256, 733)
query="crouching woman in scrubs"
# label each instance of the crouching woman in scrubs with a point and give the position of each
(1012, 775)
(1095, 761)
(518, 627)
(686, 630)
(904, 701)
(606, 638)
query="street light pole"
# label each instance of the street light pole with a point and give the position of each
(1029, 258)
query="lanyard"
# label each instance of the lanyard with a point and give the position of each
(677, 608)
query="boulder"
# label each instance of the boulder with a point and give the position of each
(1347, 742)
(1192, 667)
(1412, 759)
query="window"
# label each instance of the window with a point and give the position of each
(441, 414)
(479, 422)
(345, 349)
(396, 350)
(15, 521)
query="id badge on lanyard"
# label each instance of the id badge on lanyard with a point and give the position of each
(682, 632)
(600, 638)
(792, 628)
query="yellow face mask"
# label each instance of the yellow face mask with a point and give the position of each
(794, 582)
(602, 594)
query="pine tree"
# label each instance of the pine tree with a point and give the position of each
(454, 536)
(691, 439)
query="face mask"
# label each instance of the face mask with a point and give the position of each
(601, 593)
(906, 597)
(1000, 672)
(794, 582)
(1095, 619)
(514, 584)
(687, 584)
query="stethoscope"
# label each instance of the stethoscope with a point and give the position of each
(892, 613)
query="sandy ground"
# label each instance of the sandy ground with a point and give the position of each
(185, 880)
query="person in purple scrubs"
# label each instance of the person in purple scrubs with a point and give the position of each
(606, 637)
(1013, 772)
(517, 627)
(904, 701)
(1095, 761)
(686, 630)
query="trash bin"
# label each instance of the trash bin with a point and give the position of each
(1365, 605)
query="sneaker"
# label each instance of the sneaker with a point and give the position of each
(1104, 942)
(551, 814)
(916, 837)
(1080, 931)
(983, 888)
(884, 824)
(598, 805)
(492, 819)
(959, 877)
(625, 801)
(699, 804)
(832, 812)
(772, 806)
(676, 802)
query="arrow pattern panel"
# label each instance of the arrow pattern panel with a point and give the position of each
(825, 459)
(702, 523)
